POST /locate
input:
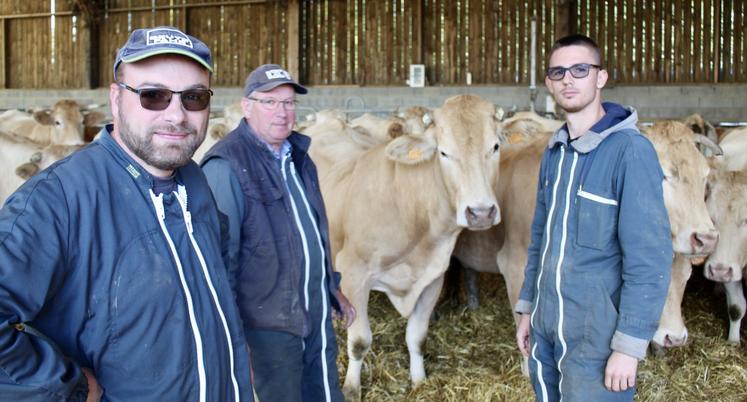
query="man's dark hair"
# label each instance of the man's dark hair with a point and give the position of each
(577, 40)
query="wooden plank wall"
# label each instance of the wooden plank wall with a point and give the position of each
(669, 41)
(241, 35)
(373, 42)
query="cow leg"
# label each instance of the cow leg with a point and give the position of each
(672, 331)
(511, 261)
(359, 341)
(473, 297)
(736, 303)
(417, 328)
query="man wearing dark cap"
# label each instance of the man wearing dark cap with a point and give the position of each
(278, 251)
(112, 282)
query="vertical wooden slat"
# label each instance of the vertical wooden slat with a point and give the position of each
(621, 43)
(686, 44)
(715, 24)
(668, 34)
(292, 49)
(4, 54)
(741, 47)
(707, 40)
(505, 40)
(565, 10)
(727, 52)
(417, 32)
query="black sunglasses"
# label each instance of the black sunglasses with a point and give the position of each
(160, 98)
(580, 70)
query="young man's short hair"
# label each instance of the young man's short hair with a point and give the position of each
(577, 40)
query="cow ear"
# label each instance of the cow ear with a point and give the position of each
(362, 137)
(44, 117)
(411, 149)
(395, 129)
(26, 170)
(218, 131)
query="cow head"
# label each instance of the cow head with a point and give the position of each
(727, 204)
(693, 234)
(685, 174)
(67, 118)
(463, 142)
(417, 119)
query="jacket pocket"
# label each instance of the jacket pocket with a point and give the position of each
(600, 323)
(597, 219)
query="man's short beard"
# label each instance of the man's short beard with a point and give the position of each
(142, 146)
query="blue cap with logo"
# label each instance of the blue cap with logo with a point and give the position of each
(148, 42)
(269, 76)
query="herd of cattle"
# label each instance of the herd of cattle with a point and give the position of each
(401, 190)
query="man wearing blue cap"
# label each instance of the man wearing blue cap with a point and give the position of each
(278, 250)
(112, 282)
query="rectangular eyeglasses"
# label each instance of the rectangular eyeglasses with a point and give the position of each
(269, 103)
(580, 70)
(157, 99)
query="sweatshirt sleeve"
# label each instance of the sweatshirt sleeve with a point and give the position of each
(33, 248)
(526, 294)
(645, 239)
(230, 199)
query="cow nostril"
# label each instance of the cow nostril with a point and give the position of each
(696, 241)
(667, 341)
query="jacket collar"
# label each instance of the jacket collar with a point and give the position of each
(598, 132)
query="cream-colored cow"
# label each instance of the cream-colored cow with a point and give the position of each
(218, 128)
(63, 124)
(525, 126)
(21, 158)
(734, 145)
(396, 210)
(727, 204)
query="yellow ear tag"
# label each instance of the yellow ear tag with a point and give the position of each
(515, 138)
(414, 154)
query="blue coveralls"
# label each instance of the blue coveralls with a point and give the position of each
(280, 265)
(599, 262)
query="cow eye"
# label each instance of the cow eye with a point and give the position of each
(443, 154)
(57, 123)
(496, 147)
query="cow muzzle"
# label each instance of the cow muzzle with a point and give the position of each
(480, 218)
(703, 243)
(719, 272)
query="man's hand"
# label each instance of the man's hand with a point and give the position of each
(620, 372)
(94, 391)
(347, 310)
(522, 334)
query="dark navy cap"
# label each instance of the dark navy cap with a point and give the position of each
(269, 76)
(144, 43)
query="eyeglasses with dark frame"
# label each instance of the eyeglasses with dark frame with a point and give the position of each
(157, 99)
(580, 70)
(270, 103)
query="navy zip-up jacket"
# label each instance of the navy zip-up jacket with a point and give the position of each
(601, 242)
(265, 256)
(97, 271)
